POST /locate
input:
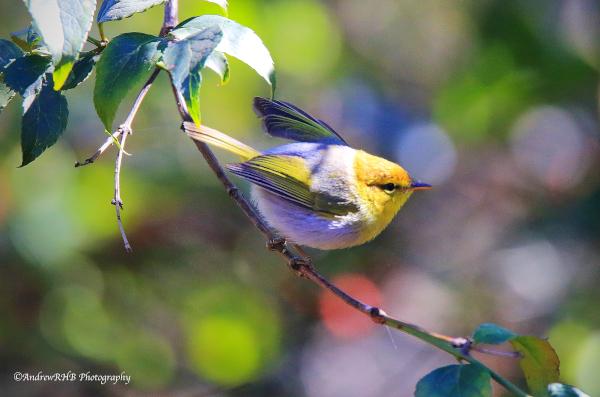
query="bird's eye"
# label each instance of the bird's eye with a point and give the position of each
(388, 187)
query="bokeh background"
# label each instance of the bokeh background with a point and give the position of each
(494, 102)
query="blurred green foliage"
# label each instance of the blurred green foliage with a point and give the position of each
(201, 307)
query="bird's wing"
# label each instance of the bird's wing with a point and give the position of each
(289, 178)
(284, 120)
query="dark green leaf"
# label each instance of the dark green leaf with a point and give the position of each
(455, 381)
(238, 41)
(81, 71)
(217, 61)
(9, 51)
(539, 363)
(124, 64)
(185, 59)
(113, 10)
(6, 94)
(560, 390)
(492, 334)
(44, 121)
(64, 26)
(25, 74)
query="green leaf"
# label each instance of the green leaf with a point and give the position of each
(238, 41)
(492, 334)
(64, 26)
(6, 94)
(124, 64)
(81, 71)
(221, 3)
(540, 364)
(24, 75)
(217, 61)
(43, 122)
(560, 390)
(9, 51)
(114, 10)
(185, 59)
(455, 381)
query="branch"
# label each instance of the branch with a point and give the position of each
(302, 265)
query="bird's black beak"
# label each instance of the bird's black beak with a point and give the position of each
(418, 185)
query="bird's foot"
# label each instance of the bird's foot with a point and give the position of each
(276, 244)
(298, 264)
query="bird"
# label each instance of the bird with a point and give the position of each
(317, 191)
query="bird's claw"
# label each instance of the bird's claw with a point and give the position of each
(297, 263)
(276, 244)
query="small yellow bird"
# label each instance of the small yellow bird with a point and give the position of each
(318, 191)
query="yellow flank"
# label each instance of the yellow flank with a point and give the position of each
(287, 166)
(372, 174)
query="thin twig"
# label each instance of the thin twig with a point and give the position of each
(107, 143)
(171, 17)
(128, 121)
(117, 201)
(96, 42)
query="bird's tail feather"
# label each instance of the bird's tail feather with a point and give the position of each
(216, 138)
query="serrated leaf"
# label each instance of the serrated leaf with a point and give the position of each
(561, 390)
(185, 59)
(217, 62)
(114, 10)
(539, 363)
(492, 334)
(64, 26)
(455, 381)
(238, 41)
(25, 74)
(43, 122)
(81, 71)
(6, 94)
(124, 64)
(9, 51)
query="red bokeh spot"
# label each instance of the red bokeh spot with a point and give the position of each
(339, 318)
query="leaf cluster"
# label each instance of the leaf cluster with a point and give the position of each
(40, 63)
(537, 359)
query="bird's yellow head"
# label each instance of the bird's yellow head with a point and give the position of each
(383, 186)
